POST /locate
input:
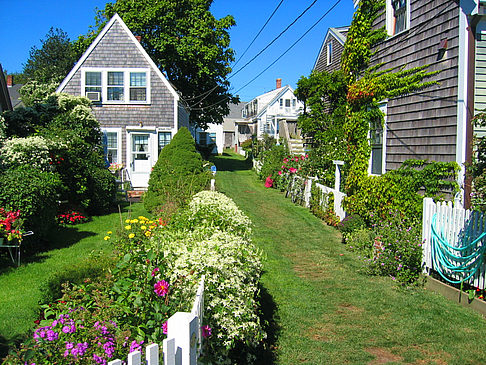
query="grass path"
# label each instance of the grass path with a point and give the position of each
(19, 287)
(322, 307)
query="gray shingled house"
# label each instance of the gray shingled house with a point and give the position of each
(329, 57)
(435, 123)
(138, 109)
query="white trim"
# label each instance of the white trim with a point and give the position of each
(126, 84)
(100, 36)
(119, 149)
(389, 16)
(329, 52)
(135, 128)
(383, 108)
(462, 101)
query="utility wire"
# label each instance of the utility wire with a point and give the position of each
(274, 40)
(259, 32)
(283, 54)
(207, 93)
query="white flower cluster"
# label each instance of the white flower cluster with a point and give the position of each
(34, 151)
(213, 209)
(232, 265)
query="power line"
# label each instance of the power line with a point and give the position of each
(207, 93)
(283, 54)
(274, 40)
(261, 29)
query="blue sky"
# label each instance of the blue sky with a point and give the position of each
(23, 23)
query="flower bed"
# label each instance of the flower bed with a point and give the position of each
(157, 270)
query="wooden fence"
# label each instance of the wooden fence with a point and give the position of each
(459, 227)
(183, 344)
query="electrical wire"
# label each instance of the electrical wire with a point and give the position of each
(275, 61)
(259, 32)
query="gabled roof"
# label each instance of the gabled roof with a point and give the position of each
(277, 93)
(337, 33)
(117, 18)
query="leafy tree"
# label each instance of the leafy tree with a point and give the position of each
(187, 43)
(53, 61)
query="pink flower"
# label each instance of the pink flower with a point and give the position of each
(280, 172)
(154, 271)
(285, 160)
(206, 331)
(164, 328)
(293, 170)
(269, 182)
(161, 288)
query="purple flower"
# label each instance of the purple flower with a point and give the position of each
(154, 271)
(164, 328)
(135, 346)
(51, 335)
(99, 359)
(161, 288)
(109, 348)
(206, 331)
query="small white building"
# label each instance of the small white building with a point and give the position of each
(276, 109)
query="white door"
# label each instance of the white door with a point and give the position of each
(140, 159)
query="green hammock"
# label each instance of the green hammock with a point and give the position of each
(464, 260)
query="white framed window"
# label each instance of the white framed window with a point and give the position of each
(287, 103)
(397, 16)
(112, 145)
(377, 137)
(164, 139)
(117, 86)
(329, 53)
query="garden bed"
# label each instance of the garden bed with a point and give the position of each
(455, 295)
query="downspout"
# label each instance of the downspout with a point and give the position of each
(471, 73)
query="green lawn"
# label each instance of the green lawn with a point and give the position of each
(322, 307)
(66, 247)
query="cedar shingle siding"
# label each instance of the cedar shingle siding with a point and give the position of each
(337, 51)
(116, 49)
(423, 125)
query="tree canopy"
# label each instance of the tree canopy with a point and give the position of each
(51, 62)
(186, 42)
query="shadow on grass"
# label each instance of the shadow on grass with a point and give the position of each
(269, 319)
(231, 163)
(6, 345)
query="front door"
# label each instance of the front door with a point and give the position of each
(140, 159)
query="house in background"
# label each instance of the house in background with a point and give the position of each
(329, 57)
(14, 91)
(212, 135)
(235, 128)
(5, 103)
(434, 123)
(275, 113)
(139, 111)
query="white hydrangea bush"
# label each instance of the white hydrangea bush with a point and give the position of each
(214, 209)
(35, 151)
(232, 265)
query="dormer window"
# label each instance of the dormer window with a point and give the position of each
(116, 86)
(329, 53)
(398, 16)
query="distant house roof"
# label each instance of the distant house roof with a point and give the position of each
(14, 92)
(275, 95)
(233, 116)
(5, 103)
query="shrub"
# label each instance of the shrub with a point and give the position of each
(33, 192)
(101, 186)
(272, 161)
(360, 240)
(351, 223)
(177, 175)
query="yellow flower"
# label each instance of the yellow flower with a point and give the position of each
(134, 221)
(153, 227)
(148, 233)
(151, 222)
(142, 218)
(128, 228)
(107, 238)
(143, 228)
(131, 235)
(127, 220)
(109, 232)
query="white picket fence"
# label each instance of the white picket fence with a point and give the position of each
(457, 226)
(183, 344)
